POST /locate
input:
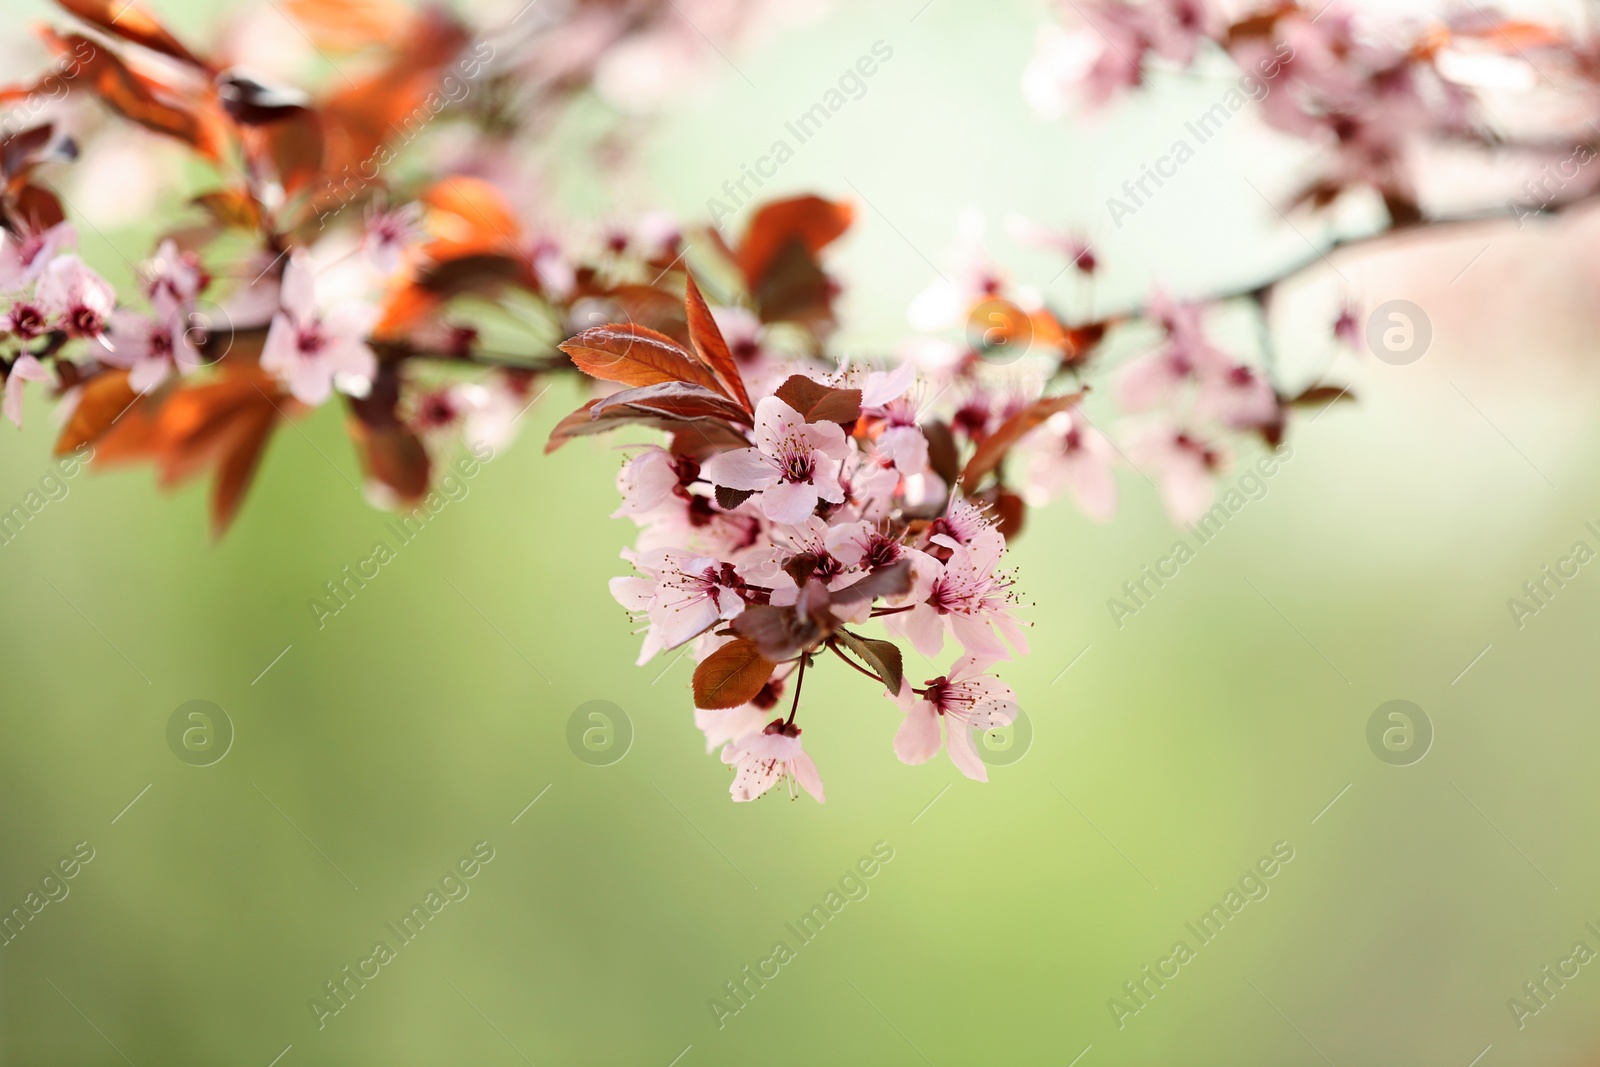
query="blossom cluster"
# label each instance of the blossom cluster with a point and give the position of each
(780, 522)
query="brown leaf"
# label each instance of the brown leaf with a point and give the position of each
(681, 400)
(694, 437)
(1320, 395)
(810, 222)
(31, 209)
(232, 208)
(132, 21)
(778, 633)
(236, 469)
(635, 355)
(731, 676)
(728, 499)
(1012, 513)
(295, 144)
(818, 402)
(103, 400)
(992, 450)
(794, 288)
(185, 429)
(893, 580)
(711, 347)
(141, 98)
(392, 103)
(943, 455)
(396, 457)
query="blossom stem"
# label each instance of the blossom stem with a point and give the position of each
(799, 681)
(878, 613)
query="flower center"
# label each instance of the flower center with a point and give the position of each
(798, 465)
(84, 321)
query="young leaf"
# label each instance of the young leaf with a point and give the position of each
(893, 580)
(818, 402)
(993, 449)
(1322, 395)
(701, 432)
(882, 657)
(681, 400)
(728, 499)
(712, 348)
(634, 355)
(730, 676)
(101, 402)
(809, 222)
(132, 21)
(778, 633)
(943, 455)
(143, 99)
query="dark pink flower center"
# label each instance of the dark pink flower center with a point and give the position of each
(27, 320)
(84, 321)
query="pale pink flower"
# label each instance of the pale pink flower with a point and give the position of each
(490, 411)
(149, 347)
(902, 442)
(1183, 466)
(1240, 399)
(966, 525)
(1155, 379)
(763, 758)
(964, 596)
(308, 350)
(25, 368)
(646, 482)
(793, 465)
(1069, 454)
(965, 700)
(172, 278)
(1074, 248)
(77, 299)
(389, 236)
(24, 258)
(680, 594)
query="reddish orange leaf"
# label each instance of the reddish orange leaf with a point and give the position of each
(102, 401)
(634, 355)
(992, 450)
(144, 99)
(132, 21)
(809, 221)
(712, 347)
(732, 675)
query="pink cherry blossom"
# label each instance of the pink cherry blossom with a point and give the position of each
(78, 301)
(24, 258)
(25, 368)
(172, 278)
(149, 348)
(762, 758)
(1240, 398)
(793, 465)
(1070, 454)
(680, 594)
(1182, 465)
(308, 350)
(389, 236)
(964, 700)
(965, 596)
(646, 481)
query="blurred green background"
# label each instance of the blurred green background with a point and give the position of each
(1171, 756)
